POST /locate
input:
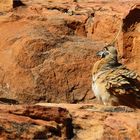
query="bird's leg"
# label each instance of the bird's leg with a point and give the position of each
(106, 104)
(105, 99)
(99, 100)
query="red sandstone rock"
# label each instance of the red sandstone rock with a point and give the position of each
(77, 121)
(41, 65)
(35, 122)
(93, 121)
(47, 48)
(6, 5)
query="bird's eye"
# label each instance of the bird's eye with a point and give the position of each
(105, 48)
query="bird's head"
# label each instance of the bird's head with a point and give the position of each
(108, 59)
(107, 51)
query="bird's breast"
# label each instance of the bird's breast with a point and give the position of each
(96, 89)
(97, 75)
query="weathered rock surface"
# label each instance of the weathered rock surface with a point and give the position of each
(6, 5)
(97, 122)
(47, 48)
(49, 121)
(34, 122)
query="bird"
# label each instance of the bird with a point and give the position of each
(112, 82)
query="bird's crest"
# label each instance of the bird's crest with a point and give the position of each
(112, 43)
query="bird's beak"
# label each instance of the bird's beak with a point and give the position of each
(100, 53)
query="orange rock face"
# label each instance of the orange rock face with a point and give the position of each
(6, 5)
(47, 49)
(93, 121)
(68, 121)
(35, 122)
(131, 39)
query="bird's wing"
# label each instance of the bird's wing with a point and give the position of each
(122, 81)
